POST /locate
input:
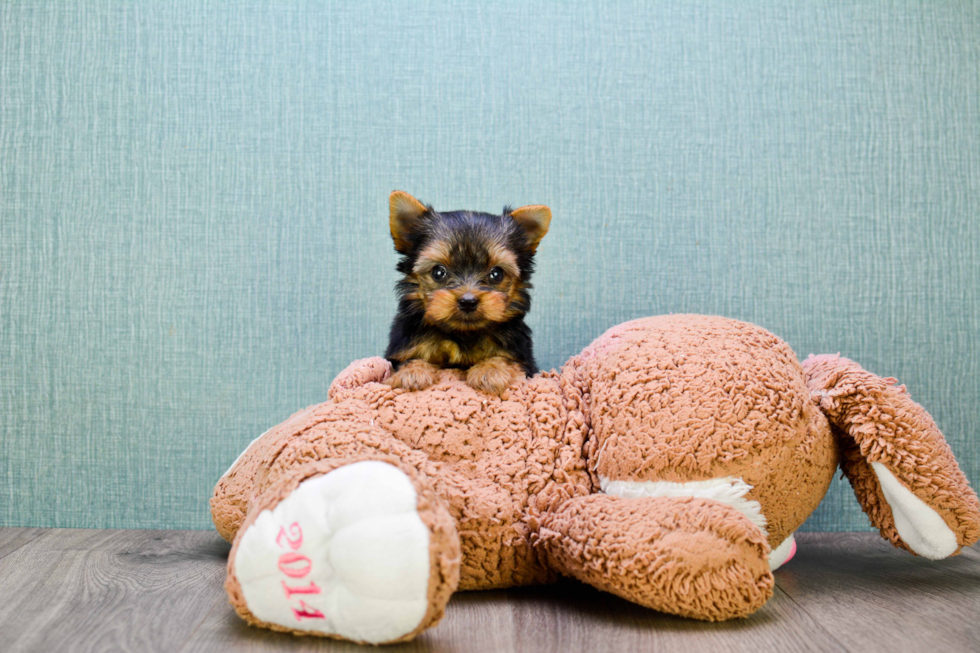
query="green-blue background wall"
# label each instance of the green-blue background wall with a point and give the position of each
(193, 203)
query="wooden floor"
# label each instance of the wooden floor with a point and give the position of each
(91, 590)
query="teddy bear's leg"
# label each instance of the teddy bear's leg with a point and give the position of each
(900, 466)
(688, 556)
(358, 549)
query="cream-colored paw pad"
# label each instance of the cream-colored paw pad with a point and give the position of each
(920, 527)
(345, 554)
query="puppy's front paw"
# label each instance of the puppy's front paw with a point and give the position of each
(494, 375)
(414, 375)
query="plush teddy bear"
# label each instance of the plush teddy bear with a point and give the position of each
(669, 463)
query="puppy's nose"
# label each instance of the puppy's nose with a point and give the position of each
(468, 302)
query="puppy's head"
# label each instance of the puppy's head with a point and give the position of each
(463, 270)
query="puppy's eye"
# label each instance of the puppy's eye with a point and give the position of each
(439, 273)
(496, 275)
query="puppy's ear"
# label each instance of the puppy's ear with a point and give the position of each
(534, 220)
(404, 219)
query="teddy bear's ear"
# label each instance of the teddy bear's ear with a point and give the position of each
(901, 468)
(534, 220)
(405, 219)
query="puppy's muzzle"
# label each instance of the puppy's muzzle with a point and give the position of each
(468, 303)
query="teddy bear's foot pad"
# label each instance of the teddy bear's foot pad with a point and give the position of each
(346, 554)
(921, 528)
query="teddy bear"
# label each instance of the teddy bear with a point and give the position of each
(669, 463)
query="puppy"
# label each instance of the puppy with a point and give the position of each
(463, 294)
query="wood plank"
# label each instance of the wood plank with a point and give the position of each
(87, 590)
(475, 622)
(162, 591)
(12, 539)
(972, 552)
(567, 616)
(872, 596)
(575, 617)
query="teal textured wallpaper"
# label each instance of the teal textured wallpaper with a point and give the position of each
(193, 226)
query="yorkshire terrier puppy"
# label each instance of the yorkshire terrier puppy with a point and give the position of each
(464, 293)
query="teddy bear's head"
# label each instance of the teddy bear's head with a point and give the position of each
(681, 400)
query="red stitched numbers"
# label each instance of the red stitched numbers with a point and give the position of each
(309, 613)
(296, 565)
(312, 588)
(294, 537)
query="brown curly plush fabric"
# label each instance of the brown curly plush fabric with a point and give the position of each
(877, 422)
(692, 557)
(688, 397)
(655, 406)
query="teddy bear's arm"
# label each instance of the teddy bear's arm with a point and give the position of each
(683, 555)
(365, 370)
(901, 468)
